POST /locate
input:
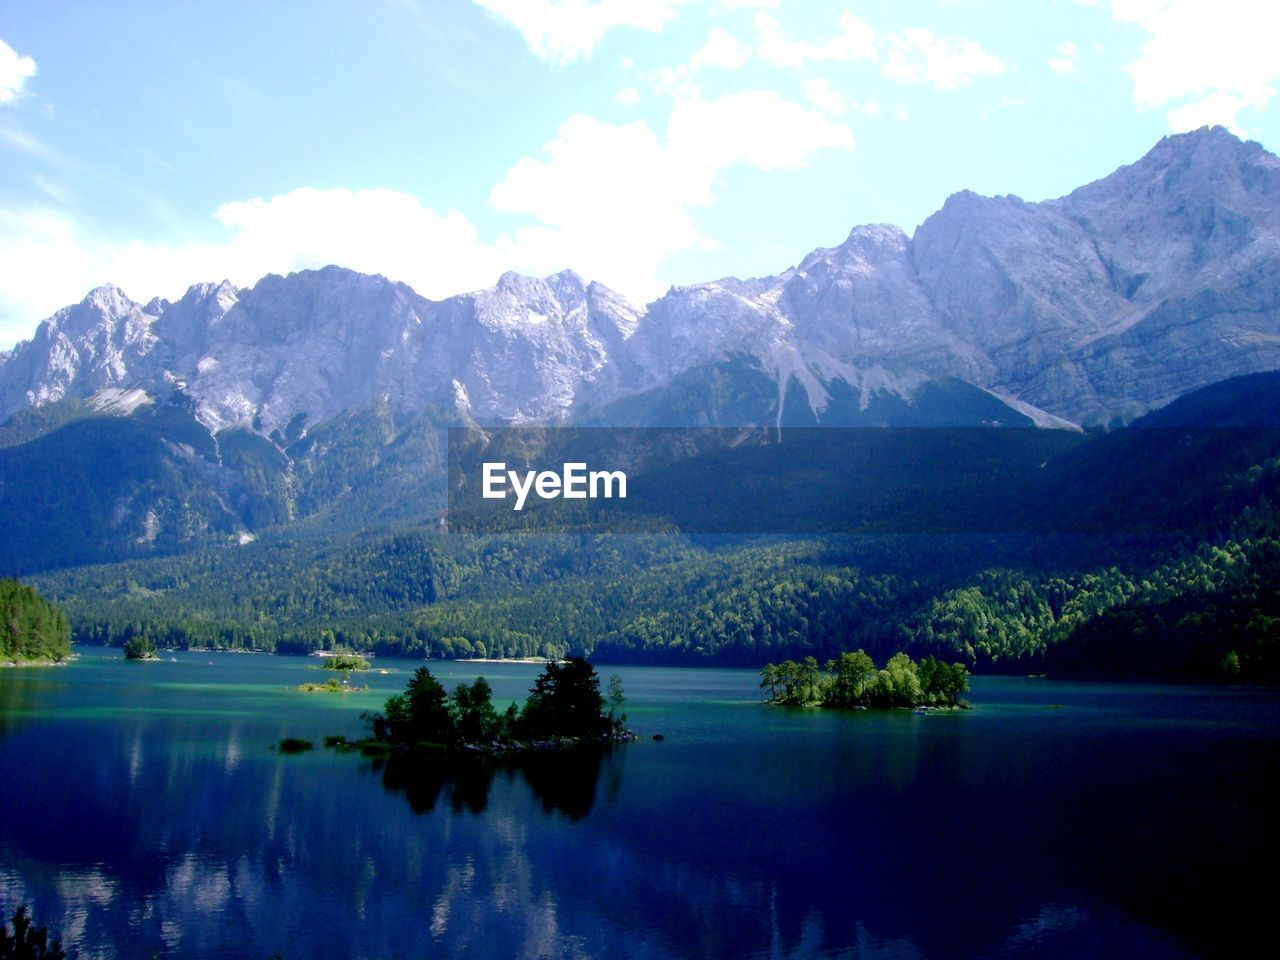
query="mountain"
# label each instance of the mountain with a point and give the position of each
(1095, 307)
(321, 398)
(1091, 308)
(317, 344)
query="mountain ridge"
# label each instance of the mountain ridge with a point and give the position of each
(1089, 308)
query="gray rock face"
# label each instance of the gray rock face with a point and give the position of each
(1156, 280)
(100, 342)
(1151, 282)
(319, 343)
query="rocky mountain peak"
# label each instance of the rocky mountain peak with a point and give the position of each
(567, 280)
(108, 299)
(875, 236)
(1209, 166)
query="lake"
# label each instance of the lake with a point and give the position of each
(143, 810)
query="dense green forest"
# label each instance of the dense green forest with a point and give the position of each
(1152, 551)
(1013, 604)
(31, 628)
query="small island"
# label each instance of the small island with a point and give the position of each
(565, 708)
(332, 685)
(852, 681)
(140, 648)
(345, 661)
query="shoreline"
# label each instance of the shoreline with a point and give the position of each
(373, 747)
(866, 707)
(18, 664)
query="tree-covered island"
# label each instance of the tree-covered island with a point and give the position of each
(345, 661)
(140, 648)
(852, 681)
(565, 708)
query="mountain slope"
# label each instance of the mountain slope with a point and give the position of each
(321, 398)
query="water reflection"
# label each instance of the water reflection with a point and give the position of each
(563, 781)
(15, 700)
(178, 831)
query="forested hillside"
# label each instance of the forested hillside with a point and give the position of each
(1159, 556)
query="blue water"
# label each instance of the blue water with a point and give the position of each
(143, 810)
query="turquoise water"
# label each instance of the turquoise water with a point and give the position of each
(143, 810)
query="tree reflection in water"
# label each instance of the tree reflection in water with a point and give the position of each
(564, 781)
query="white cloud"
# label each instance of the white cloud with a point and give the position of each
(51, 261)
(1217, 108)
(855, 41)
(722, 49)
(1065, 61)
(757, 127)
(46, 264)
(627, 95)
(562, 31)
(615, 201)
(374, 231)
(826, 98)
(15, 71)
(823, 96)
(918, 55)
(610, 201)
(1204, 62)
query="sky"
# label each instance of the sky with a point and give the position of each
(642, 143)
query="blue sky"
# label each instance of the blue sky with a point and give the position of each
(440, 142)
